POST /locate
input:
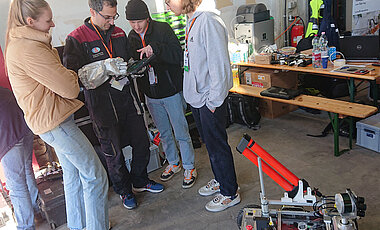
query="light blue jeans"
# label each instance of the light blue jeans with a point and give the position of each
(84, 178)
(168, 113)
(17, 165)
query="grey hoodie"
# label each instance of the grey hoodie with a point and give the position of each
(209, 77)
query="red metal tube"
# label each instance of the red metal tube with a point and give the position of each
(268, 170)
(293, 179)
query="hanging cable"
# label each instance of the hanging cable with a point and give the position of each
(295, 19)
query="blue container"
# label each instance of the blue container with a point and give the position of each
(332, 53)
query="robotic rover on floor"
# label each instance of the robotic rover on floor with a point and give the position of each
(301, 207)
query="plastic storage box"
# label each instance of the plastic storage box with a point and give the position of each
(52, 199)
(154, 162)
(368, 133)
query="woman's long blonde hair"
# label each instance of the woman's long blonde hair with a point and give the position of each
(19, 11)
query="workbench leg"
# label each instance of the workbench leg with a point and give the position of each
(351, 89)
(335, 125)
(375, 92)
(351, 130)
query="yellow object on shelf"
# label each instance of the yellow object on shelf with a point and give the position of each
(235, 76)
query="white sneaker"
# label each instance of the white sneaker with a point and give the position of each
(189, 178)
(210, 188)
(169, 171)
(220, 202)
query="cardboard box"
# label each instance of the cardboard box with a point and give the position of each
(263, 58)
(272, 109)
(265, 78)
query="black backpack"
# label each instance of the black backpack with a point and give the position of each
(242, 109)
(305, 43)
(328, 87)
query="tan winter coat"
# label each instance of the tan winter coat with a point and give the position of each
(45, 90)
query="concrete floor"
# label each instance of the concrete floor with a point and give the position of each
(285, 138)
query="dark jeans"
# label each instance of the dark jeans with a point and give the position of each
(129, 130)
(212, 129)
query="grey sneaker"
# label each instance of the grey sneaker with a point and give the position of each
(169, 172)
(210, 188)
(220, 202)
(189, 178)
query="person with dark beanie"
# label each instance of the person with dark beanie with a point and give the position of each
(114, 108)
(162, 87)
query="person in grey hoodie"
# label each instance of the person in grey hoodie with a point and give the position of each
(207, 80)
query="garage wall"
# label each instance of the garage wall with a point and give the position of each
(70, 18)
(69, 14)
(4, 7)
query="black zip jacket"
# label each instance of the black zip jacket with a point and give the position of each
(84, 46)
(167, 64)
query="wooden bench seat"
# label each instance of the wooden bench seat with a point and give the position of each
(330, 105)
(337, 107)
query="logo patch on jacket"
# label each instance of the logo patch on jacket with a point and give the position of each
(95, 50)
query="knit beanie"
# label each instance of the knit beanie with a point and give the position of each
(136, 10)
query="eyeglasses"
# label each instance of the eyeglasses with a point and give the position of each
(109, 18)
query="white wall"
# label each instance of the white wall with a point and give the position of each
(76, 11)
(4, 8)
(69, 14)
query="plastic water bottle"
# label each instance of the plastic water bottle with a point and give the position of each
(316, 60)
(324, 49)
(323, 44)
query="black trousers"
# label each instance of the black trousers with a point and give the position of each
(212, 129)
(129, 130)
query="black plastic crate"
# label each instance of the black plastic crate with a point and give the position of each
(52, 199)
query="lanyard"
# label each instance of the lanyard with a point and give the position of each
(104, 44)
(143, 38)
(188, 31)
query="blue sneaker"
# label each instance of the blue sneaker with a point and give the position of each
(129, 201)
(152, 186)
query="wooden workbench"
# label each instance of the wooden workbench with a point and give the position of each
(328, 72)
(373, 77)
(337, 107)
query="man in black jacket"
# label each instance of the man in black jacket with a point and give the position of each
(113, 107)
(162, 86)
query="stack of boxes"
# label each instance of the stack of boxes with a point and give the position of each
(265, 78)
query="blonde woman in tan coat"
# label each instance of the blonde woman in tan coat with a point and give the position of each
(46, 92)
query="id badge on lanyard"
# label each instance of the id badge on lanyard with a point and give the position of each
(186, 60)
(152, 76)
(186, 53)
